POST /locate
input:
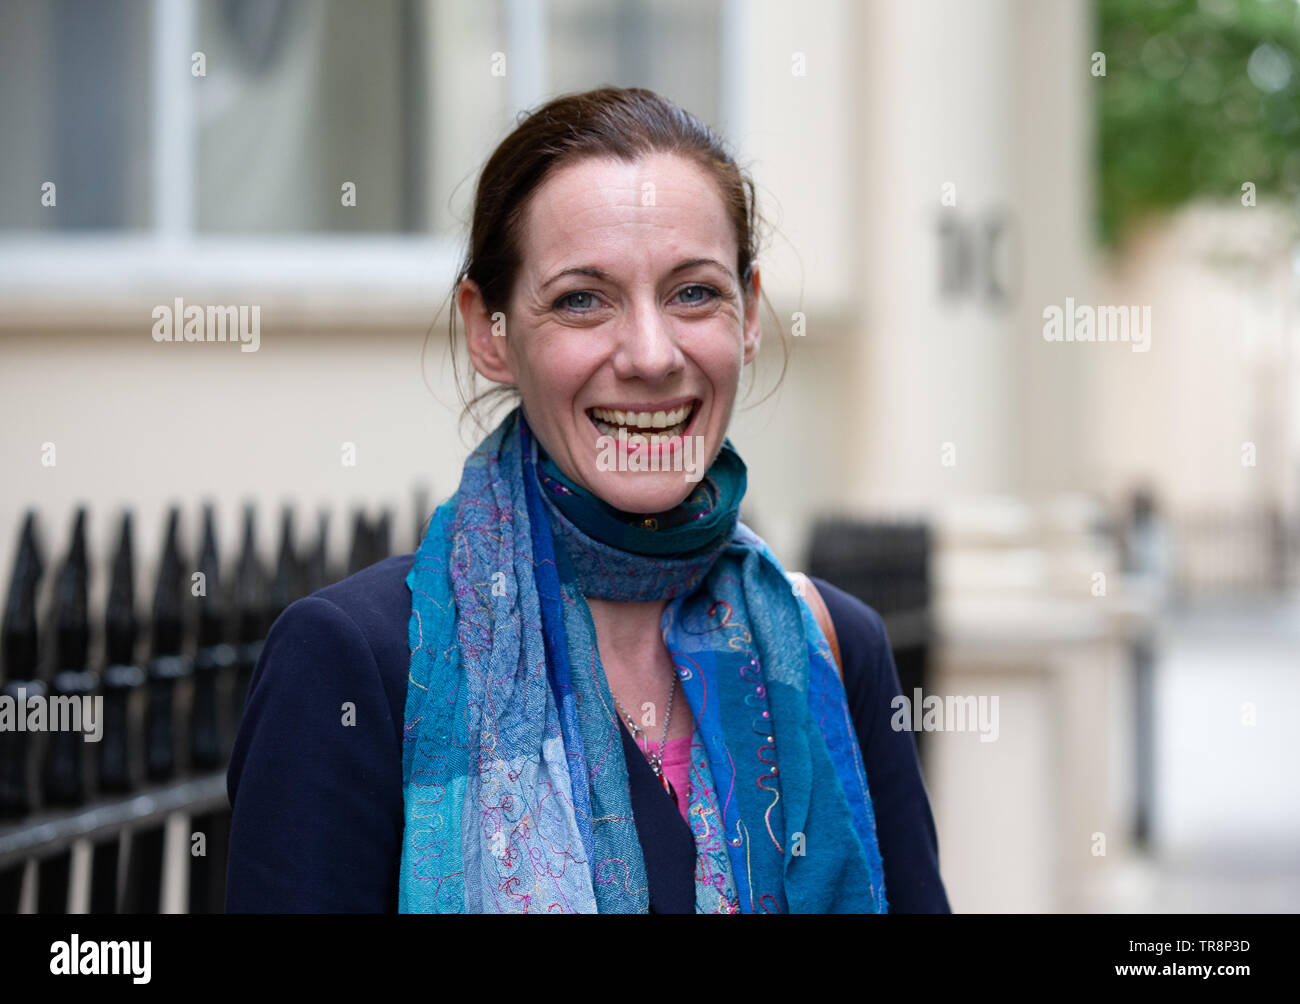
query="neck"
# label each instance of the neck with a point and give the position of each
(638, 666)
(627, 627)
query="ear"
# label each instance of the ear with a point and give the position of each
(485, 334)
(753, 330)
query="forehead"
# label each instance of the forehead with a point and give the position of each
(659, 207)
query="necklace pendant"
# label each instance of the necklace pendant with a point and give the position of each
(656, 765)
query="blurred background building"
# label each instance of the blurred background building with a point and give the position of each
(1104, 538)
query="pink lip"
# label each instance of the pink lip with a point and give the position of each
(650, 406)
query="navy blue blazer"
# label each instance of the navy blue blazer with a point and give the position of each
(318, 808)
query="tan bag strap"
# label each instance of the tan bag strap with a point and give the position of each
(809, 592)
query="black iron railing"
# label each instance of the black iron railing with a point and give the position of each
(136, 821)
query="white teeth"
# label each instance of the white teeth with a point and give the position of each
(643, 419)
(610, 420)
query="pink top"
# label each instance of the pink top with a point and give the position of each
(677, 769)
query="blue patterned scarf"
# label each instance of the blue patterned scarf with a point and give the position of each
(516, 789)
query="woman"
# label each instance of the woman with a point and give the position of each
(592, 689)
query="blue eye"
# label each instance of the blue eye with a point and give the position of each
(705, 294)
(567, 301)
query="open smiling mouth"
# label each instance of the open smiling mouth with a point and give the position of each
(667, 424)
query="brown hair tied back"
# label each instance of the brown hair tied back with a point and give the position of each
(626, 123)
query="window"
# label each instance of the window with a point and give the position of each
(283, 144)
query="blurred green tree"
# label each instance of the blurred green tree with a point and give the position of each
(1199, 97)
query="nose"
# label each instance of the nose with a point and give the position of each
(647, 346)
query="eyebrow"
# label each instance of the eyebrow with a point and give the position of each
(597, 273)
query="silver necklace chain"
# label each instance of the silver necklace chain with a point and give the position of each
(656, 759)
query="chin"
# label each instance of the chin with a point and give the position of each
(643, 491)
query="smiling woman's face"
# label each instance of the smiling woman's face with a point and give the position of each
(627, 310)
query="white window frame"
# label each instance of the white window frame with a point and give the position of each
(96, 280)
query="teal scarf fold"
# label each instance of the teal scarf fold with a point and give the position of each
(516, 790)
(704, 517)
